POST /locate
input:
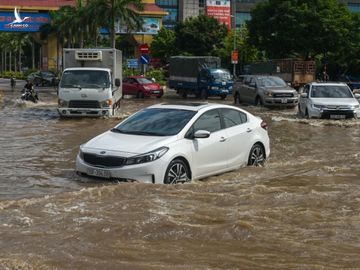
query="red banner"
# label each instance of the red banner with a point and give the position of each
(220, 10)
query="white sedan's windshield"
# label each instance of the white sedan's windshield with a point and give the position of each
(331, 91)
(156, 122)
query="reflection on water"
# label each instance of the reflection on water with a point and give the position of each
(300, 211)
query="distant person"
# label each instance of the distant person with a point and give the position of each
(29, 85)
(12, 83)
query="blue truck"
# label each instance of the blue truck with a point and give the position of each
(201, 76)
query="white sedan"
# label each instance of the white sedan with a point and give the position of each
(176, 143)
(331, 100)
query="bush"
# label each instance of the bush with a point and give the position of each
(157, 73)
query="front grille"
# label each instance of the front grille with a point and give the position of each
(103, 161)
(283, 95)
(84, 104)
(327, 113)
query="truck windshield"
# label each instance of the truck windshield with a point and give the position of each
(85, 79)
(220, 75)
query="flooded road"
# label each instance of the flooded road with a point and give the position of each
(300, 211)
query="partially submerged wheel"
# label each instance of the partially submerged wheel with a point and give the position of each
(223, 96)
(257, 155)
(177, 172)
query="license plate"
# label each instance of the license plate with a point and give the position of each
(224, 91)
(337, 116)
(283, 100)
(98, 173)
(156, 92)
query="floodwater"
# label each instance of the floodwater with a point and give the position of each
(300, 211)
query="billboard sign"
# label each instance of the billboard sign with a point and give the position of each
(151, 26)
(22, 22)
(220, 10)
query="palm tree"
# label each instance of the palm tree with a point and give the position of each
(123, 10)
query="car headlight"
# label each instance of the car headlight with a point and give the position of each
(147, 157)
(318, 106)
(268, 93)
(81, 154)
(353, 107)
(214, 88)
(106, 103)
(63, 103)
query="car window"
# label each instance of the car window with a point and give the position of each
(209, 121)
(144, 81)
(155, 122)
(271, 81)
(233, 117)
(247, 80)
(331, 91)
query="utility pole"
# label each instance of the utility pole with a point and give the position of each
(234, 55)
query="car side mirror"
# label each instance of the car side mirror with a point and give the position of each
(117, 82)
(357, 96)
(252, 84)
(201, 134)
(304, 95)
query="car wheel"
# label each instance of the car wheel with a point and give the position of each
(159, 96)
(140, 94)
(306, 114)
(258, 101)
(177, 172)
(203, 94)
(257, 155)
(223, 96)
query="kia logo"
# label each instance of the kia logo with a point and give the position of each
(103, 152)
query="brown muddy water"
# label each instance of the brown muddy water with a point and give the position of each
(300, 211)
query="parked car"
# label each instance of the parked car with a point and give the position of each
(141, 87)
(43, 78)
(176, 143)
(333, 100)
(264, 90)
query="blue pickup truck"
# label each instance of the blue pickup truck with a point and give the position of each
(201, 76)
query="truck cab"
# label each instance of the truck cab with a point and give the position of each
(215, 82)
(90, 84)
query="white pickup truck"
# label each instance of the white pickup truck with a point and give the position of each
(90, 84)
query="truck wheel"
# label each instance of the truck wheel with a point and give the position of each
(223, 96)
(258, 101)
(203, 94)
(140, 94)
(237, 98)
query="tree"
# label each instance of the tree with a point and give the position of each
(300, 28)
(163, 44)
(201, 35)
(105, 12)
(247, 52)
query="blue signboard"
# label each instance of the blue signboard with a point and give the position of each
(22, 21)
(132, 63)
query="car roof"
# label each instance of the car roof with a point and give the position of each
(87, 68)
(191, 106)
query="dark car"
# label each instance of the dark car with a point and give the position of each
(43, 78)
(141, 86)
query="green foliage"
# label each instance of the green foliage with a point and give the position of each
(156, 73)
(200, 35)
(163, 45)
(308, 29)
(12, 74)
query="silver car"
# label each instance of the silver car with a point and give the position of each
(333, 100)
(264, 90)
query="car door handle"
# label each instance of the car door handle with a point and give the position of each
(222, 139)
(249, 130)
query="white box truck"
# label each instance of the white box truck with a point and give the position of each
(90, 84)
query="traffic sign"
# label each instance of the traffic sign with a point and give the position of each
(234, 57)
(144, 48)
(132, 63)
(145, 59)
